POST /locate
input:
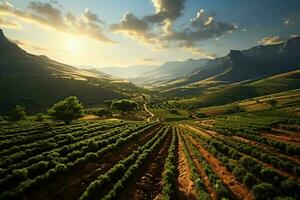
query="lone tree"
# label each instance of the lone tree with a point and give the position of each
(18, 113)
(124, 105)
(66, 110)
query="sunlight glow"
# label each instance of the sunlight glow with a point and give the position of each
(73, 45)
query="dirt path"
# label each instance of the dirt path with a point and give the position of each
(238, 189)
(186, 186)
(203, 175)
(72, 185)
(148, 182)
(150, 113)
(150, 185)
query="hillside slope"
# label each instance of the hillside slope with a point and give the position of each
(245, 66)
(37, 82)
(235, 92)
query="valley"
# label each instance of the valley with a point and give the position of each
(199, 125)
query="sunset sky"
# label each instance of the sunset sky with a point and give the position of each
(103, 33)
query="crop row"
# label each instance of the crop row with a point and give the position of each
(59, 168)
(251, 172)
(215, 181)
(71, 152)
(115, 179)
(262, 155)
(230, 129)
(169, 177)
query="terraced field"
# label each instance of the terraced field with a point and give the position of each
(231, 157)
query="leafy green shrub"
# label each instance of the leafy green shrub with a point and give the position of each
(102, 112)
(39, 117)
(66, 110)
(201, 115)
(235, 109)
(20, 174)
(269, 175)
(289, 186)
(264, 191)
(249, 180)
(18, 113)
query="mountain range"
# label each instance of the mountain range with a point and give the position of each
(248, 65)
(37, 82)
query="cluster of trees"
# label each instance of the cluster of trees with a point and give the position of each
(70, 109)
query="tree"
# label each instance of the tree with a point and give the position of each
(66, 110)
(18, 113)
(124, 105)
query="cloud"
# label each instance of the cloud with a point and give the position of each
(47, 14)
(56, 3)
(166, 10)
(132, 26)
(294, 36)
(202, 27)
(8, 24)
(158, 29)
(91, 17)
(200, 52)
(288, 22)
(270, 40)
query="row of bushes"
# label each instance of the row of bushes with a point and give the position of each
(122, 171)
(251, 172)
(281, 146)
(215, 181)
(169, 176)
(197, 179)
(59, 167)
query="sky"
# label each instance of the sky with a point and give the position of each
(101, 33)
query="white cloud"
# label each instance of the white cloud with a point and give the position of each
(46, 14)
(270, 40)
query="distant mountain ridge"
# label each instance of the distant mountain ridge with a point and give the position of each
(169, 71)
(247, 65)
(38, 82)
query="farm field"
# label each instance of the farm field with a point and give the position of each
(241, 156)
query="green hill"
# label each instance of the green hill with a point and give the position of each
(37, 82)
(235, 92)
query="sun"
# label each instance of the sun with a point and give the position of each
(73, 45)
